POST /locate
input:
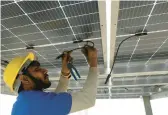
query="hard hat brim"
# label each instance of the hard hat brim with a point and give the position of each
(30, 57)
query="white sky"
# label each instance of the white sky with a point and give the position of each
(160, 106)
(103, 106)
(6, 103)
(115, 107)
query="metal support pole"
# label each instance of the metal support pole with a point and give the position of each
(147, 105)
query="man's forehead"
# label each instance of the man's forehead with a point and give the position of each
(34, 63)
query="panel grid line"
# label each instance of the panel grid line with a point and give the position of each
(85, 15)
(56, 37)
(143, 5)
(63, 6)
(148, 33)
(143, 25)
(156, 51)
(12, 51)
(21, 34)
(71, 27)
(142, 16)
(88, 15)
(142, 49)
(26, 45)
(55, 20)
(46, 45)
(69, 17)
(35, 25)
(125, 19)
(86, 24)
(150, 15)
(151, 38)
(136, 6)
(140, 56)
(8, 4)
(54, 29)
(13, 17)
(158, 62)
(133, 52)
(143, 29)
(89, 1)
(42, 10)
(49, 38)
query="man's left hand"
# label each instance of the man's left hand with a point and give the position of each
(65, 60)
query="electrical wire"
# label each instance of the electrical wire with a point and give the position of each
(79, 41)
(137, 34)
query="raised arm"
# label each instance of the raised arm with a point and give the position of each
(65, 73)
(62, 85)
(86, 97)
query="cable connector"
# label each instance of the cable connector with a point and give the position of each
(77, 41)
(30, 46)
(141, 34)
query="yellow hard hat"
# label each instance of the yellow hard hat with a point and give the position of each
(14, 67)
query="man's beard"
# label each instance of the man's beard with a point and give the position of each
(40, 85)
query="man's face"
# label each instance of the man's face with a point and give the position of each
(40, 73)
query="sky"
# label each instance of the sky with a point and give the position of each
(103, 106)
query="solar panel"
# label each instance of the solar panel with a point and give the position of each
(43, 22)
(141, 16)
(53, 25)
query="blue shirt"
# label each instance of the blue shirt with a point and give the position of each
(42, 103)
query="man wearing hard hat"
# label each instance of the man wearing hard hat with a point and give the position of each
(24, 76)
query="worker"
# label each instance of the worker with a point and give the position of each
(24, 76)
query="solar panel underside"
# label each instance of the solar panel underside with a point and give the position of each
(51, 22)
(140, 16)
(48, 22)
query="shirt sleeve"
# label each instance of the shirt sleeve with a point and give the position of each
(86, 97)
(62, 85)
(52, 104)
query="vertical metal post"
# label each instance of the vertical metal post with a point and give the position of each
(147, 105)
(109, 88)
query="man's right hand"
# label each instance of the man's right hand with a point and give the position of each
(91, 55)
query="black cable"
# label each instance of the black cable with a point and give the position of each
(137, 34)
(78, 41)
